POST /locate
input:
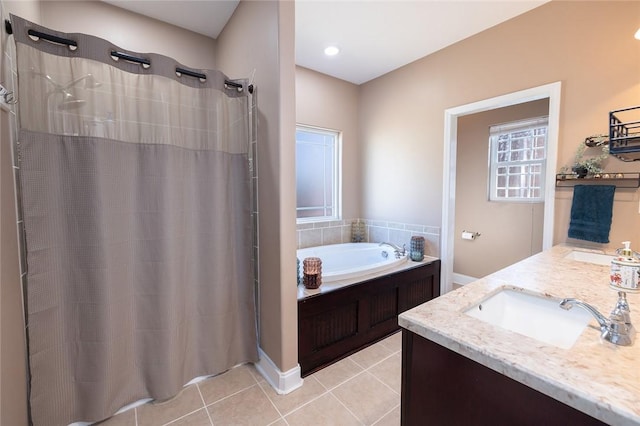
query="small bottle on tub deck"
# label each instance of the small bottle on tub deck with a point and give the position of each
(312, 272)
(357, 231)
(416, 252)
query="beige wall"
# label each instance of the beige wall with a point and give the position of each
(260, 38)
(331, 103)
(27, 9)
(513, 231)
(588, 46)
(130, 31)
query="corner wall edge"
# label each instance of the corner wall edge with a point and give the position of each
(282, 382)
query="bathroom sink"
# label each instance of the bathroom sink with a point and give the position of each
(533, 316)
(590, 257)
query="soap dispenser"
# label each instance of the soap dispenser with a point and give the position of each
(625, 269)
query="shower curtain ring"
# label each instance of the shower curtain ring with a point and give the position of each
(7, 96)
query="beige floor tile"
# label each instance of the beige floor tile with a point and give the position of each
(393, 342)
(255, 373)
(154, 414)
(223, 385)
(128, 418)
(325, 411)
(250, 407)
(279, 422)
(371, 355)
(199, 418)
(391, 419)
(367, 398)
(311, 389)
(337, 373)
(389, 371)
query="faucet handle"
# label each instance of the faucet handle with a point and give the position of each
(622, 300)
(621, 312)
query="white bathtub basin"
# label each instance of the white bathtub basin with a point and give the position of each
(352, 260)
(590, 257)
(533, 316)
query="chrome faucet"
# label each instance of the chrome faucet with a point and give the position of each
(399, 251)
(616, 329)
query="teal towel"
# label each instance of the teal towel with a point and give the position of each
(591, 212)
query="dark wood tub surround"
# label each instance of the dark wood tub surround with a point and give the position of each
(336, 324)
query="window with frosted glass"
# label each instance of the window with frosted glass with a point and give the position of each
(518, 153)
(317, 173)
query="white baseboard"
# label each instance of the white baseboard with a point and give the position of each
(281, 382)
(463, 279)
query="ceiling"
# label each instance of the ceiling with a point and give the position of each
(200, 16)
(374, 36)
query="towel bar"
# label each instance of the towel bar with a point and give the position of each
(620, 180)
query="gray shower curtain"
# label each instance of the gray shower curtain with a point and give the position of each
(135, 191)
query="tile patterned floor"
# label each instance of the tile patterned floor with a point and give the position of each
(363, 389)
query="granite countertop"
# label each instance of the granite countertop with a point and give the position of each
(593, 376)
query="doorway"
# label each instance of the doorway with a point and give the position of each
(551, 91)
(506, 212)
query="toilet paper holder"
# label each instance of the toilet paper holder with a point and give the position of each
(470, 235)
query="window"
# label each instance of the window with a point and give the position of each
(317, 174)
(518, 153)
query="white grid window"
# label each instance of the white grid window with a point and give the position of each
(317, 174)
(518, 156)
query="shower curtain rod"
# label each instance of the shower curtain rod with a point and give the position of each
(52, 38)
(146, 63)
(130, 58)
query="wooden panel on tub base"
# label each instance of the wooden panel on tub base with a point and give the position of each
(442, 387)
(334, 325)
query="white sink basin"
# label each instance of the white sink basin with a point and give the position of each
(533, 316)
(589, 257)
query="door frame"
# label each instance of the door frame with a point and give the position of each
(551, 91)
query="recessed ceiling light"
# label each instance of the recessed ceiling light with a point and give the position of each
(331, 51)
(637, 36)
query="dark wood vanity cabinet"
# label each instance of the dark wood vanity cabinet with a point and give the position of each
(442, 387)
(333, 325)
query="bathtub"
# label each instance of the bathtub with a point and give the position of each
(347, 314)
(352, 260)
